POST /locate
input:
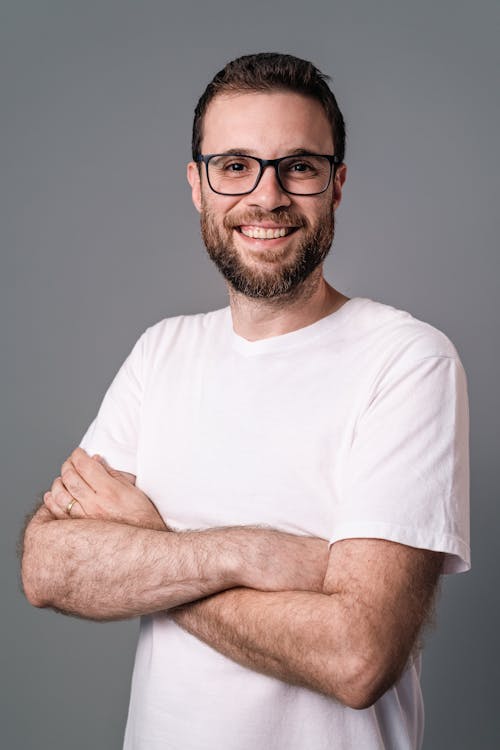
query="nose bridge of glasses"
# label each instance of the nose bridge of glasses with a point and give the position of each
(273, 165)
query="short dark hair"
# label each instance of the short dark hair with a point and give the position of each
(268, 71)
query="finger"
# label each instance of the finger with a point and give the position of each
(102, 461)
(69, 465)
(51, 505)
(75, 509)
(43, 514)
(75, 485)
(94, 473)
(66, 465)
(127, 477)
(60, 499)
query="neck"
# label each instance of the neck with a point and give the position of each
(255, 319)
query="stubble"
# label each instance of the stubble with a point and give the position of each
(276, 274)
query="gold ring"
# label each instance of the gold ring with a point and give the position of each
(70, 505)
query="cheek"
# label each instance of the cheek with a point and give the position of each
(324, 211)
(217, 205)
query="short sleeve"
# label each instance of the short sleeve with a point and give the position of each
(114, 434)
(406, 477)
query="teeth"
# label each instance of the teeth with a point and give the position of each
(261, 233)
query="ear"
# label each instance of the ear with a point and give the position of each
(193, 177)
(338, 184)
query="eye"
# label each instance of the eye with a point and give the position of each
(300, 166)
(235, 166)
(304, 167)
(231, 165)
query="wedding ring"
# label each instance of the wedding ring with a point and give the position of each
(70, 505)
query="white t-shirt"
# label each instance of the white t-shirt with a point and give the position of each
(355, 426)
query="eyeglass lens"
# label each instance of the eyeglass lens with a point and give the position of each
(234, 175)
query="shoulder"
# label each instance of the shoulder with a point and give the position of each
(182, 331)
(397, 334)
(187, 325)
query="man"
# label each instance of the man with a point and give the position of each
(317, 445)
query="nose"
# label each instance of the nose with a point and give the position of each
(268, 194)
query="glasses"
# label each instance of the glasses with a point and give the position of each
(239, 174)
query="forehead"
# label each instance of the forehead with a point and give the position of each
(266, 124)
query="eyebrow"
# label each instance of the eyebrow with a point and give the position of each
(248, 152)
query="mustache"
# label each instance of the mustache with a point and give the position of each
(279, 216)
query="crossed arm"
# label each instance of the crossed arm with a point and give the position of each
(341, 622)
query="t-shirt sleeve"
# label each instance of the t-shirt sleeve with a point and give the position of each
(114, 434)
(406, 477)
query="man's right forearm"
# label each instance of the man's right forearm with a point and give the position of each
(104, 570)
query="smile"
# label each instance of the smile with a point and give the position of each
(265, 233)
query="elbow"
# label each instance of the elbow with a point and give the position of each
(33, 595)
(33, 591)
(32, 578)
(364, 680)
(32, 583)
(360, 697)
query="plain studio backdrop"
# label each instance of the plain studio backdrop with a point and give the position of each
(99, 240)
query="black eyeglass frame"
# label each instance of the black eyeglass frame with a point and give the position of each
(263, 163)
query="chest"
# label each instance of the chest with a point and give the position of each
(227, 441)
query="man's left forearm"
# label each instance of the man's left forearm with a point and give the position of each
(298, 637)
(350, 642)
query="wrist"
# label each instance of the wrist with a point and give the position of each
(248, 550)
(236, 551)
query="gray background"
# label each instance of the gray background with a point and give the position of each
(99, 240)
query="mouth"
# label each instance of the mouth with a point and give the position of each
(259, 232)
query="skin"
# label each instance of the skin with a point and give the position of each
(270, 125)
(341, 621)
(113, 558)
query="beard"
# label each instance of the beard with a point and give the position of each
(268, 278)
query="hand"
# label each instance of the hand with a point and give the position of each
(92, 489)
